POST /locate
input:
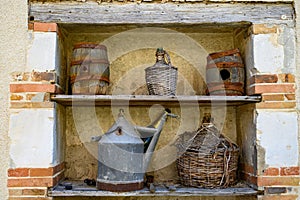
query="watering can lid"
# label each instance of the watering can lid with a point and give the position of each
(121, 131)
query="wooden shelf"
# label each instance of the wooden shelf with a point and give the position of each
(148, 100)
(79, 188)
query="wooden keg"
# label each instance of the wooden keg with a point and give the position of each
(225, 73)
(89, 71)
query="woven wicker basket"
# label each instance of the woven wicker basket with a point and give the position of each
(208, 160)
(161, 78)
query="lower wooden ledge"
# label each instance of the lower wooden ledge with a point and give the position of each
(79, 188)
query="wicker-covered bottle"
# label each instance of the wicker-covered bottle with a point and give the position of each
(161, 78)
(207, 159)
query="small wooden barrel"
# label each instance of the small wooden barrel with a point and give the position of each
(225, 74)
(89, 71)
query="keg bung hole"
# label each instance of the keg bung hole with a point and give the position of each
(85, 68)
(225, 74)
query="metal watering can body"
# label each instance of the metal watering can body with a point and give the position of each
(124, 153)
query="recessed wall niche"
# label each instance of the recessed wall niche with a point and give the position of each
(131, 48)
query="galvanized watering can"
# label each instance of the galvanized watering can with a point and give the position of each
(124, 153)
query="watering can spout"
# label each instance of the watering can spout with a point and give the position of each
(150, 134)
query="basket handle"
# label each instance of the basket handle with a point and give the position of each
(167, 58)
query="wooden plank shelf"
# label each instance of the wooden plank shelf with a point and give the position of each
(148, 100)
(79, 188)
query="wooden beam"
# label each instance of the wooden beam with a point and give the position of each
(157, 13)
(148, 100)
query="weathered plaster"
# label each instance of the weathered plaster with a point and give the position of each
(269, 54)
(275, 52)
(246, 134)
(32, 141)
(13, 38)
(43, 53)
(277, 135)
(297, 74)
(287, 39)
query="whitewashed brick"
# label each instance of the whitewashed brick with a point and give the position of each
(277, 134)
(268, 54)
(31, 133)
(43, 53)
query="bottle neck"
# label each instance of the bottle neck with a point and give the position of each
(161, 59)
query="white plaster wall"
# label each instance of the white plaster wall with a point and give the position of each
(271, 53)
(268, 57)
(277, 135)
(32, 138)
(297, 75)
(43, 52)
(287, 38)
(13, 37)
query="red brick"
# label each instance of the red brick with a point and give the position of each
(278, 197)
(271, 78)
(263, 29)
(31, 104)
(286, 78)
(34, 172)
(275, 105)
(247, 168)
(30, 96)
(289, 171)
(43, 76)
(18, 172)
(290, 96)
(15, 88)
(16, 97)
(21, 76)
(30, 26)
(34, 191)
(58, 178)
(45, 27)
(249, 178)
(15, 192)
(41, 172)
(271, 88)
(58, 168)
(271, 172)
(30, 182)
(273, 97)
(278, 181)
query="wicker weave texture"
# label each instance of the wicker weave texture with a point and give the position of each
(209, 161)
(161, 80)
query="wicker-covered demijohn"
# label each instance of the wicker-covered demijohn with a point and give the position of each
(161, 78)
(207, 159)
